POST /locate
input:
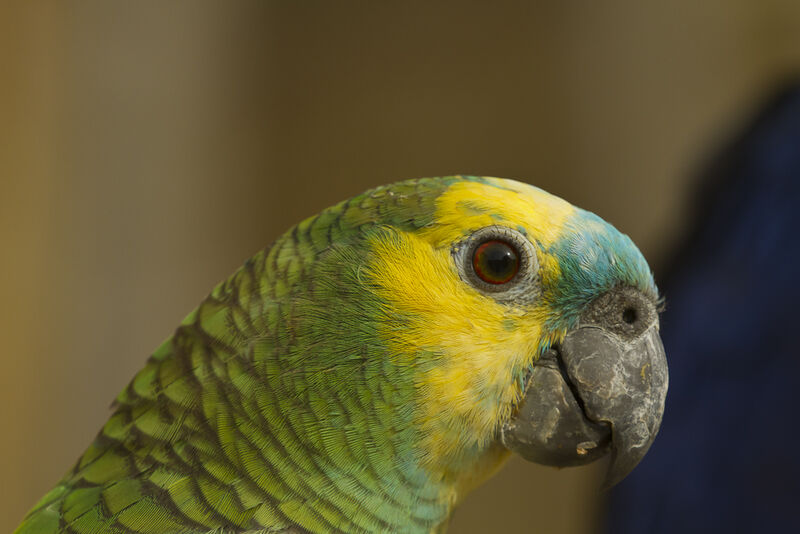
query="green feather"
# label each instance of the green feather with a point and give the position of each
(257, 414)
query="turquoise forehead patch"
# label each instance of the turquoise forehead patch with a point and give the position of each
(593, 257)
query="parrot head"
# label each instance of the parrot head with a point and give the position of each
(378, 361)
(538, 322)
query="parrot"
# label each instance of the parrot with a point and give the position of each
(375, 364)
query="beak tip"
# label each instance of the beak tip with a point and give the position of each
(613, 476)
(625, 457)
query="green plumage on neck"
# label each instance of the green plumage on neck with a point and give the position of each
(273, 404)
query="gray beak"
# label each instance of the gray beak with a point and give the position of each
(602, 390)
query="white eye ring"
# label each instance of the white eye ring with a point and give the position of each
(524, 287)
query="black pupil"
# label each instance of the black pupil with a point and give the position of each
(629, 315)
(499, 259)
(496, 262)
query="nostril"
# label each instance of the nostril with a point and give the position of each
(629, 315)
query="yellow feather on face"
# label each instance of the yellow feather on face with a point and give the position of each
(477, 346)
(467, 206)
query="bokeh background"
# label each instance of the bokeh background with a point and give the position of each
(148, 148)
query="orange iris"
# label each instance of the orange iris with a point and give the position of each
(495, 261)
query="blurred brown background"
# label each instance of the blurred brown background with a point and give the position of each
(147, 149)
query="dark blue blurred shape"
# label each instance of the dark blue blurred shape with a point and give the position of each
(727, 458)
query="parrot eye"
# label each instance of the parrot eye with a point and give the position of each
(500, 261)
(495, 261)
